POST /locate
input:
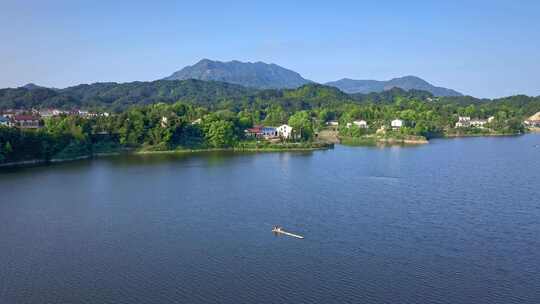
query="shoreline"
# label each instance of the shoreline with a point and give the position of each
(483, 135)
(40, 162)
(362, 141)
(324, 146)
(352, 141)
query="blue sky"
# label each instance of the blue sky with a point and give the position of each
(481, 48)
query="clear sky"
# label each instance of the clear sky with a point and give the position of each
(481, 48)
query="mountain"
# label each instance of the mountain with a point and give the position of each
(119, 96)
(258, 75)
(220, 95)
(32, 86)
(406, 83)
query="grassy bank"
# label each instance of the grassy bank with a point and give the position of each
(372, 140)
(249, 146)
(109, 149)
(486, 134)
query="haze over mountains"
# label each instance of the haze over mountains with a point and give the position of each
(261, 75)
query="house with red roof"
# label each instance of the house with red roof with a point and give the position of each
(255, 132)
(27, 121)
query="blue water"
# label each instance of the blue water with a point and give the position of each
(455, 221)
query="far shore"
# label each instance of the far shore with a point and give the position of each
(418, 140)
(127, 151)
(372, 140)
(182, 151)
(360, 141)
(482, 135)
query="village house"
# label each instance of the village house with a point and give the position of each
(196, 121)
(73, 112)
(10, 113)
(285, 131)
(463, 122)
(269, 132)
(164, 122)
(396, 124)
(96, 114)
(532, 123)
(332, 123)
(5, 121)
(57, 112)
(478, 123)
(46, 113)
(467, 122)
(255, 132)
(26, 121)
(361, 124)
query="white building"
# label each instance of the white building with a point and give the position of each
(478, 123)
(396, 123)
(164, 122)
(332, 123)
(466, 122)
(269, 132)
(361, 124)
(285, 131)
(463, 122)
(532, 123)
(56, 112)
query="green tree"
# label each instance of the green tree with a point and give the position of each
(221, 134)
(275, 115)
(7, 148)
(301, 124)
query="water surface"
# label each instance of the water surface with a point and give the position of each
(455, 221)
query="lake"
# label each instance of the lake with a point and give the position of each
(455, 221)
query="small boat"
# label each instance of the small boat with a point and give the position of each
(279, 230)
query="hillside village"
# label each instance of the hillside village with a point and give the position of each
(34, 119)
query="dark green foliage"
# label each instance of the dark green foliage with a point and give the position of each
(117, 97)
(215, 115)
(302, 125)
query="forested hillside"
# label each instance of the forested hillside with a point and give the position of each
(119, 96)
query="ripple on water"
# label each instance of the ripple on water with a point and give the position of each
(455, 221)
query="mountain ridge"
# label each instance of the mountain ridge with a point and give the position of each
(409, 82)
(258, 74)
(261, 75)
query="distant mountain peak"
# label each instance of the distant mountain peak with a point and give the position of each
(250, 74)
(409, 82)
(32, 86)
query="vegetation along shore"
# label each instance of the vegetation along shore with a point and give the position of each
(237, 119)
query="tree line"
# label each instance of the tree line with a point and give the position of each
(193, 125)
